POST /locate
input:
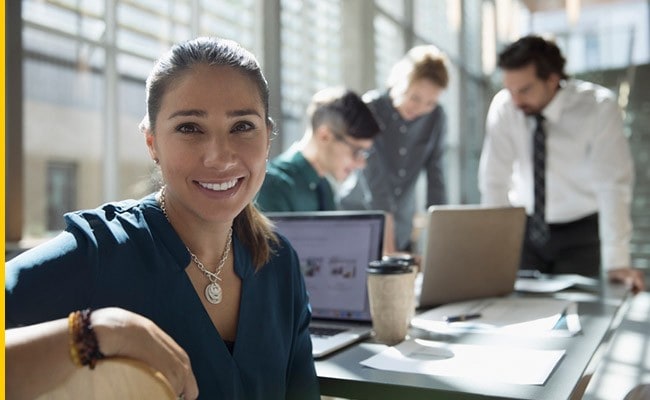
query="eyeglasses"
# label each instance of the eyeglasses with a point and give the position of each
(359, 153)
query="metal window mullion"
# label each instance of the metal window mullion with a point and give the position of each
(195, 20)
(110, 122)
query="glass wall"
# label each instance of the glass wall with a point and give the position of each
(389, 47)
(84, 67)
(603, 36)
(84, 64)
(310, 58)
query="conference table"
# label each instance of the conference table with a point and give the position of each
(600, 310)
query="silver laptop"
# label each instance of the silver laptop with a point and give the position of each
(334, 248)
(470, 252)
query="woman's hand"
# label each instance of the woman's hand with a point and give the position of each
(127, 334)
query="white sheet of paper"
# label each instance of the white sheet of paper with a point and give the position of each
(512, 315)
(554, 283)
(541, 285)
(492, 363)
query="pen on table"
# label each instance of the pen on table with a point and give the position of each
(529, 274)
(461, 317)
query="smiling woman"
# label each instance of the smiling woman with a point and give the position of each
(195, 254)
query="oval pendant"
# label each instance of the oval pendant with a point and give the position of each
(213, 293)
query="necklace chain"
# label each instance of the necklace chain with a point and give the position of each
(213, 291)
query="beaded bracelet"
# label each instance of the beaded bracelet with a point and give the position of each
(84, 349)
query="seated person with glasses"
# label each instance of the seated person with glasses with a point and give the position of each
(336, 142)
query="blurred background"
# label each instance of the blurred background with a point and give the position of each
(76, 71)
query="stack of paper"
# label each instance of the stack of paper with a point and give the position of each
(513, 315)
(546, 283)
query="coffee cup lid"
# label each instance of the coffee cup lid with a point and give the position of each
(400, 257)
(389, 267)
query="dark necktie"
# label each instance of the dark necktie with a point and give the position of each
(539, 232)
(325, 195)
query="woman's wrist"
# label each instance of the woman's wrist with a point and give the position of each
(84, 347)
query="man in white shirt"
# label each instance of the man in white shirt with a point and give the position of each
(586, 171)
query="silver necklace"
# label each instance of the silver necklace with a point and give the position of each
(213, 291)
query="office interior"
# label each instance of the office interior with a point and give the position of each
(75, 73)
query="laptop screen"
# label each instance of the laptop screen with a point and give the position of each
(334, 249)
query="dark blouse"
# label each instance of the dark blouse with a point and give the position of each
(127, 254)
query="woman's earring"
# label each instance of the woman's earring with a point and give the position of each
(156, 161)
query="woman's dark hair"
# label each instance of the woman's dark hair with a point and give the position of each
(200, 51)
(251, 226)
(544, 54)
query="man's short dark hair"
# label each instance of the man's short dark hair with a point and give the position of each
(544, 54)
(342, 109)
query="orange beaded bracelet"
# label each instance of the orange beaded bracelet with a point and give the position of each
(84, 349)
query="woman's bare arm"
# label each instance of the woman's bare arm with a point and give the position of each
(38, 356)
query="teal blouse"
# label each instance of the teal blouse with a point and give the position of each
(126, 254)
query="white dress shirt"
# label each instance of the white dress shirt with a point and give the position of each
(588, 168)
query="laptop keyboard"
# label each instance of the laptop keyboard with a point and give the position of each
(324, 331)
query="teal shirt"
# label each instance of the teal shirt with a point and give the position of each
(292, 184)
(127, 255)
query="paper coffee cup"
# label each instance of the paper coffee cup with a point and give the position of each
(390, 294)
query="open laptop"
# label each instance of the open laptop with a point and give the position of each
(335, 248)
(470, 252)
